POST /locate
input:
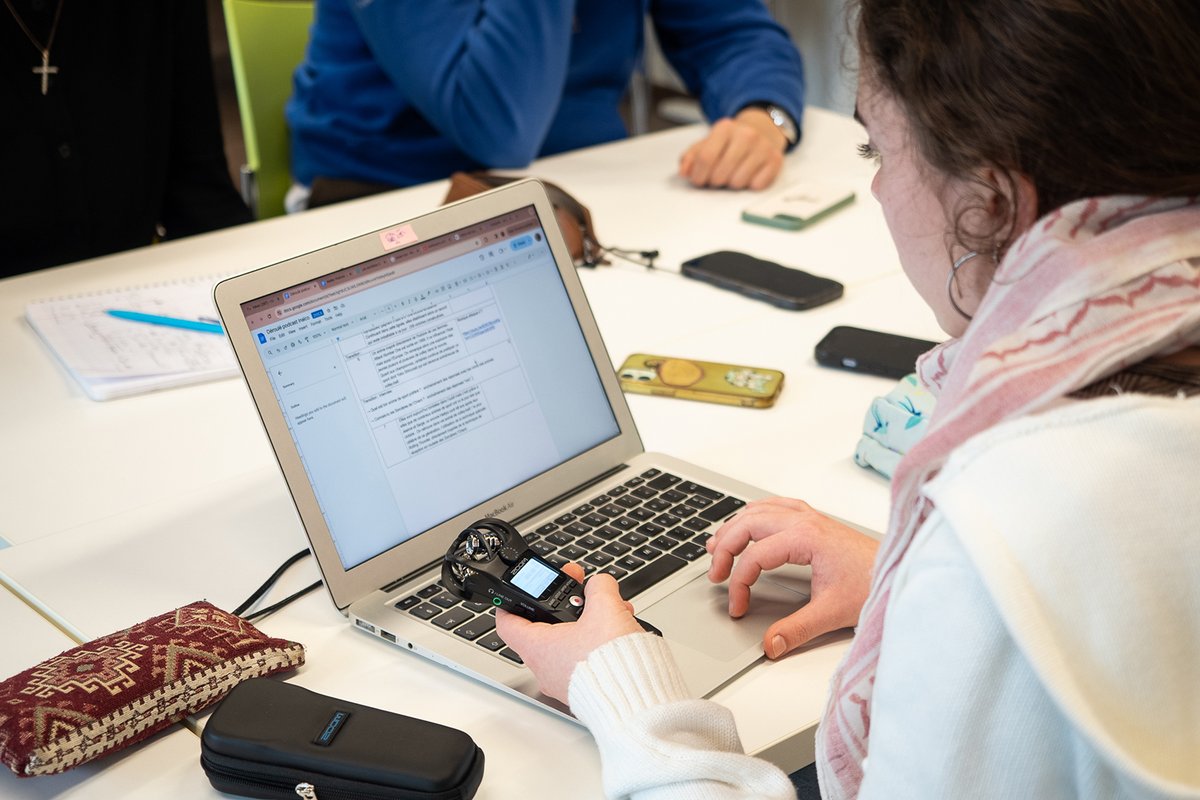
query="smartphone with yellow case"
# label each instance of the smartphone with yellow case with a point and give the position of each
(708, 381)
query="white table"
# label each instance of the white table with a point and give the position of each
(118, 511)
(109, 457)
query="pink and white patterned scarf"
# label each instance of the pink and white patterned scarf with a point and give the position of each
(1092, 288)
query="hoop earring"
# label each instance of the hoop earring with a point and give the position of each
(950, 282)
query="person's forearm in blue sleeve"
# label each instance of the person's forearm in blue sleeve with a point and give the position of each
(487, 75)
(730, 54)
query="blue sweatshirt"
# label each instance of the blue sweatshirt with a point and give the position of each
(407, 91)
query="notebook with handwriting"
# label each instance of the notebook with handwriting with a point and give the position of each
(112, 357)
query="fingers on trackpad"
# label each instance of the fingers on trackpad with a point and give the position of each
(697, 615)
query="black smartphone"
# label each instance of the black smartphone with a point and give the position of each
(763, 280)
(889, 355)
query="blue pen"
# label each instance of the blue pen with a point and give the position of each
(170, 322)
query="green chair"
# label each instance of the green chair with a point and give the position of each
(267, 39)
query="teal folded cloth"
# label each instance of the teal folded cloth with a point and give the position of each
(893, 424)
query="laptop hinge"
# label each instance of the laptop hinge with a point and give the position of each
(403, 579)
(392, 586)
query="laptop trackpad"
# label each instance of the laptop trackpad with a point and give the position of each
(697, 615)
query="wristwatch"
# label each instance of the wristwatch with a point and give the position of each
(783, 121)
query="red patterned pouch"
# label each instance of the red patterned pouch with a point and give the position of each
(113, 691)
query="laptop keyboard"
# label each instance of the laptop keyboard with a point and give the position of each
(639, 531)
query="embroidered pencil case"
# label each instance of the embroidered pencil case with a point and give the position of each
(111, 692)
(270, 739)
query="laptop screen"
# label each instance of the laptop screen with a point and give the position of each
(426, 381)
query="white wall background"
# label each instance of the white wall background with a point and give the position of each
(819, 29)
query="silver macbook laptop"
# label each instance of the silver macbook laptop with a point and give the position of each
(418, 378)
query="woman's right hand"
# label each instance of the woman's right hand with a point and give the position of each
(767, 534)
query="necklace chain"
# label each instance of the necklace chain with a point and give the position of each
(45, 70)
(25, 28)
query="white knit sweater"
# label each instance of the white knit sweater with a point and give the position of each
(1042, 640)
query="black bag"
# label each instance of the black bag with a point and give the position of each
(272, 739)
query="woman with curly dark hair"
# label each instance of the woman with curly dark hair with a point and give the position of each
(1030, 624)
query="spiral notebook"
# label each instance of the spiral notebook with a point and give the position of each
(112, 357)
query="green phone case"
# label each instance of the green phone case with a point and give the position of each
(775, 213)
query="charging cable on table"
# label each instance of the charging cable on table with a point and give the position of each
(260, 591)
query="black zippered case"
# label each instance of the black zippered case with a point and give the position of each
(271, 739)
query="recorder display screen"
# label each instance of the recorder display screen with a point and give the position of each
(533, 577)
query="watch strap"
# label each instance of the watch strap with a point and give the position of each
(782, 119)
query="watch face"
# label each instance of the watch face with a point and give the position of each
(783, 122)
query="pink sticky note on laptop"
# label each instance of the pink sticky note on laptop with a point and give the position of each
(397, 237)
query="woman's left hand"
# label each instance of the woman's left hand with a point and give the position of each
(769, 533)
(552, 651)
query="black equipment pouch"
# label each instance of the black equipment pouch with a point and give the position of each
(271, 739)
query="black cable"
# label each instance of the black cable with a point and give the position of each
(262, 612)
(260, 591)
(643, 258)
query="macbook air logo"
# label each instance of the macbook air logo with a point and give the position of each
(332, 728)
(495, 512)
